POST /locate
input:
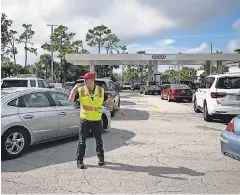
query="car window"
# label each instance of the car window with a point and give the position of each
(46, 84)
(111, 86)
(60, 99)
(14, 102)
(41, 84)
(228, 83)
(209, 82)
(14, 83)
(36, 100)
(33, 83)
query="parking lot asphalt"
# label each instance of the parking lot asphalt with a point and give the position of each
(158, 147)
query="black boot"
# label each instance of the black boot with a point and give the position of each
(101, 161)
(80, 164)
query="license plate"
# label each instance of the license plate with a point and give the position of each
(238, 97)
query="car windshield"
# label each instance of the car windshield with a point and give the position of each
(180, 87)
(99, 83)
(14, 83)
(228, 83)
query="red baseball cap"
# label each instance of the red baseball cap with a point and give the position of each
(88, 75)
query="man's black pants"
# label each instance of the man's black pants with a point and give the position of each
(84, 129)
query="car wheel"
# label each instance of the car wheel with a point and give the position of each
(159, 93)
(195, 107)
(112, 113)
(189, 100)
(140, 92)
(206, 116)
(162, 97)
(15, 142)
(145, 93)
(119, 103)
(168, 98)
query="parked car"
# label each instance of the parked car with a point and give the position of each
(110, 88)
(190, 84)
(25, 82)
(218, 95)
(174, 92)
(135, 86)
(126, 86)
(230, 139)
(68, 86)
(150, 87)
(34, 115)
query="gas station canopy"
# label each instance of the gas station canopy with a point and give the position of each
(144, 59)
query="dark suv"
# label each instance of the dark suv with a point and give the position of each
(110, 88)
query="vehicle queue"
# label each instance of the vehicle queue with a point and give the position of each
(27, 101)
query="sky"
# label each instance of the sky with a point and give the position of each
(154, 26)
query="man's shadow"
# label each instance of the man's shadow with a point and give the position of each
(152, 170)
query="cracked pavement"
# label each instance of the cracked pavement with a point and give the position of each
(166, 150)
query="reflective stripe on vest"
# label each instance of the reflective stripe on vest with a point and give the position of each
(91, 108)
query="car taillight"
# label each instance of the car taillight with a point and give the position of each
(218, 95)
(108, 95)
(230, 126)
(172, 91)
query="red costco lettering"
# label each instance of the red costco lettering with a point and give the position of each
(158, 56)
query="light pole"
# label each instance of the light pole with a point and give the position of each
(52, 25)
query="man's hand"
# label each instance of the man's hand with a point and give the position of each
(77, 86)
(121, 112)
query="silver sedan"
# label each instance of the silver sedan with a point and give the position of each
(35, 115)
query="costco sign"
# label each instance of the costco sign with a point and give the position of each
(158, 56)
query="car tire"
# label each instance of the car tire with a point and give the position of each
(189, 100)
(119, 103)
(145, 93)
(159, 93)
(206, 116)
(162, 96)
(20, 134)
(168, 98)
(140, 92)
(195, 106)
(112, 113)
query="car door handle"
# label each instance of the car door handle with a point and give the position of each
(62, 113)
(28, 116)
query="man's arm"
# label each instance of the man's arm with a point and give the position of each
(112, 104)
(73, 93)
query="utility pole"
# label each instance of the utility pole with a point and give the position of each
(211, 47)
(52, 25)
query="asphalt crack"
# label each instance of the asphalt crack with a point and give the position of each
(88, 181)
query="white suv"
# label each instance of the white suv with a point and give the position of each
(24, 82)
(218, 95)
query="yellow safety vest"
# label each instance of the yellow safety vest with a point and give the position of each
(91, 109)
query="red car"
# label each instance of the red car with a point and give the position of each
(176, 92)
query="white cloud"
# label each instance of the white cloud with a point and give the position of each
(203, 47)
(236, 24)
(165, 42)
(233, 44)
(155, 48)
(132, 21)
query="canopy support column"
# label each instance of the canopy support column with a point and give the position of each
(92, 67)
(208, 68)
(150, 70)
(219, 67)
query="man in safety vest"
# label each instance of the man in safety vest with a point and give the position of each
(91, 98)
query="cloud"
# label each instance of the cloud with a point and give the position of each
(203, 47)
(233, 44)
(236, 24)
(165, 42)
(133, 21)
(170, 49)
